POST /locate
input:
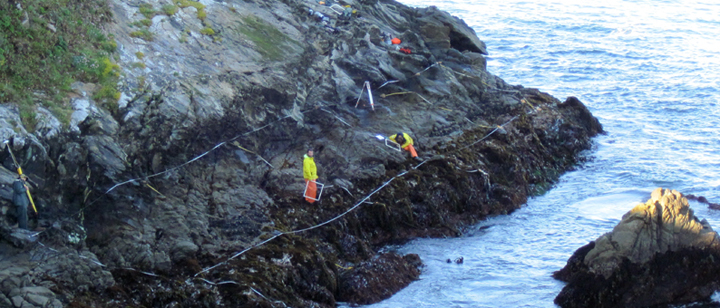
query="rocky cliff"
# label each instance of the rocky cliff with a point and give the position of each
(183, 186)
(659, 254)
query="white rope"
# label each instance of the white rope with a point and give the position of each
(427, 68)
(388, 82)
(364, 200)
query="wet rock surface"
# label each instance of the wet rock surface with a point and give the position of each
(152, 203)
(378, 278)
(660, 253)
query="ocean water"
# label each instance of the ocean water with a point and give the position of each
(650, 71)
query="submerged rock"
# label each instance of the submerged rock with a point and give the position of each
(660, 253)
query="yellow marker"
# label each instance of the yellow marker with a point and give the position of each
(153, 188)
(396, 93)
(345, 268)
(28, 192)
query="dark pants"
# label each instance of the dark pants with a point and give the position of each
(22, 217)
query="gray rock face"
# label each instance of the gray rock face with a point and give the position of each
(34, 263)
(660, 253)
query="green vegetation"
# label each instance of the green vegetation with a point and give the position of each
(201, 15)
(197, 5)
(144, 34)
(186, 3)
(49, 44)
(148, 10)
(140, 55)
(141, 23)
(169, 9)
(268, 40)
(144, 24)
(207, 31)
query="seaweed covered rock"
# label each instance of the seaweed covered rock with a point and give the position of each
(378, 278)
(660, 253)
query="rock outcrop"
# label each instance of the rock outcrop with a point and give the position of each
(660, 253)
(201, 158)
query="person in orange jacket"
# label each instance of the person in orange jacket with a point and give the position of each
(405, 142)
(310, 175)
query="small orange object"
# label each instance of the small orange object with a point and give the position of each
(396, 41)
(311, 191)
(410, 148)
(405, 50)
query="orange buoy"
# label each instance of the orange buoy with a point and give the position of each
(396, 41)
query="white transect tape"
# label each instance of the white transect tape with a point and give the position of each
(388, 82)
(364, 200)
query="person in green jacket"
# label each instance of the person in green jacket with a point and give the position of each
(310, 175)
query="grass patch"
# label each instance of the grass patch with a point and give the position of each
(207, 31)
(39, 65)
(141, 23)
(268, 40)
(140, 55)
(186, 3)
(144, 34)
(197, 5)
(148, 11)
(169, 9)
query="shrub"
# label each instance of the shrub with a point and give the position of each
(207, 31)
(148, 10)
(169, 9)
(197, 5)
(144, 34)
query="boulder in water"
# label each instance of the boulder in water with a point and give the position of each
(660, 253)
